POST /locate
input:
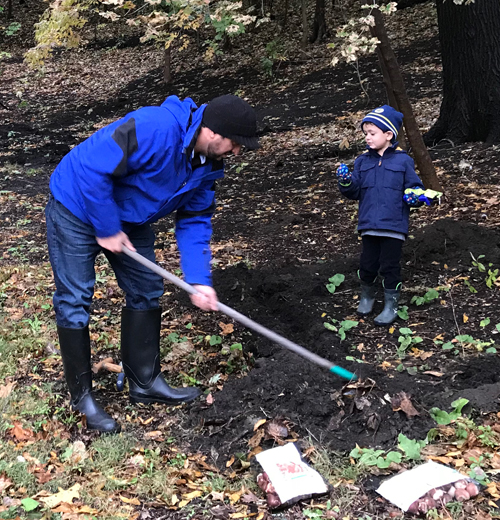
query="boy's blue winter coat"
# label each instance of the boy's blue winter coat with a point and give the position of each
(137, 170)
(379, 182)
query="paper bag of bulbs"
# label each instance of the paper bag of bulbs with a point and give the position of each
(428, 486)
(286, 478)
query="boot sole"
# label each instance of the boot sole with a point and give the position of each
(152, 400)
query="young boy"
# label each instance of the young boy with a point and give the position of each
(378, 181)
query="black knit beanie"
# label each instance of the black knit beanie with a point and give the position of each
(233, 118)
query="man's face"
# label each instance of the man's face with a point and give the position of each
(220, 147)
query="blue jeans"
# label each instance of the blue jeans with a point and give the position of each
(73, 249)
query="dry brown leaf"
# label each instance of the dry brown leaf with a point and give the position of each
(6, 389)
(256, 439)
(20, 433)
(226, 328)
(402, 402)
(4, 483)
(276, 429)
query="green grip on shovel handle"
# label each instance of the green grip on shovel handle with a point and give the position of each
(342, 372)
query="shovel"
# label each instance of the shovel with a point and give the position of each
(247, 322)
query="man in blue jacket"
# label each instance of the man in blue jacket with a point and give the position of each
(105, 193)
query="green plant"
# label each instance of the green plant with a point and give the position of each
(405, 340)
(403, 312)
(335, 281)
(491, 277)
(428, 297)
(12, 28)
(274, 53)
(340, 327)
(442, 417)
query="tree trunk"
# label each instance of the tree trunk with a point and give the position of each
(305, 29)
(285, 15)
(422, 157)
(470, 50)
(167, 65)
(319, 26)
(391, 98)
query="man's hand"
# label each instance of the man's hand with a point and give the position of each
(114, 243)
(206, 300)
(344, 176)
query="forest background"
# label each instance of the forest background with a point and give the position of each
(285, 251)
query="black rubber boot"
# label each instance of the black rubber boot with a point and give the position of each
(140, 344)
(390, 312)
(75, 353)
(367, 299)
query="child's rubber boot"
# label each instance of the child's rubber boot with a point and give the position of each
(390, 312)
(366, 299)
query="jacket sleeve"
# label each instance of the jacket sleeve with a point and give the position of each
(352, 190)
(193, 231)
(412, 180)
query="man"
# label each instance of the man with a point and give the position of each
(105, 193)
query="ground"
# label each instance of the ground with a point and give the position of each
(281, 231)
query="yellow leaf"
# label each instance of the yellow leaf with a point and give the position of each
(323, 315)
(174, 499)
(132, 501)
(465, 318)
(259, 423)
(64, 495)
(391, 330)
(230, 462)
(234, 497)
(238, 515)
(193, 494)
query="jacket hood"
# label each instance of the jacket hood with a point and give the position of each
(188, 115)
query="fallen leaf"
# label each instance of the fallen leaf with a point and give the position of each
(256, 439)
(235, 497)
(210, 399)
(226, 328)
(20, 433)
(259, 423)
(230, 462)
(433, 373)
(193, 494)
(276, 429)
(132, 501)
(465, 318)
(402, 402)
(4, 483)
(64, 495)
(5, 390)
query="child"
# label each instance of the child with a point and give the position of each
(378, 181)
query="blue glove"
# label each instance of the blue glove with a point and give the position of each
(412, 200)
(344, 176)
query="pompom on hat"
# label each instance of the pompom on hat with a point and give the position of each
(386, 118)
(233, 118)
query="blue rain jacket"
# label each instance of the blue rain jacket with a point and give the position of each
(139, 169)
(379, 182)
